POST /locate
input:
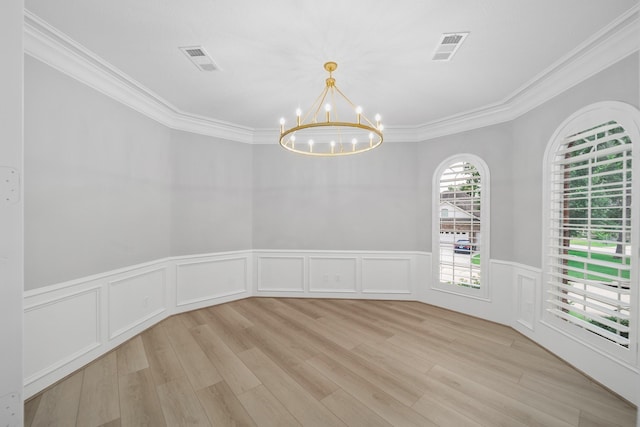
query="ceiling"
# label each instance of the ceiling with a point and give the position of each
(271, 53)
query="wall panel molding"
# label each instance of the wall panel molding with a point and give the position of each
(281, 273)
(68, 325)
(387, 275)
(333, 274)
(206, 279)
(528, 287)
(340, 274)
(135, 299)
(59, 332)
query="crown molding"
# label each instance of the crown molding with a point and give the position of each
(616, 41)
(613, 43)
(56, 49)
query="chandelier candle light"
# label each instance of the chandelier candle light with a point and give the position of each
(326, 135)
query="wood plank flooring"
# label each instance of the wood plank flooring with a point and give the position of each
(307, 362)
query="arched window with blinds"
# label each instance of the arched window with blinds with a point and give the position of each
(461, 226)
(590, 275)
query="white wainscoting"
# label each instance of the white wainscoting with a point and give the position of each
(528, 291)
(333, 274)
(68, 325)
(135, 299)
(336, 274)
(59, 330)
(283, 273)
(496, 306)
(387, 275)
(207, 279)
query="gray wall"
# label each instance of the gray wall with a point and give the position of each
(362, 202)
(97, 181)
(379, 200)
(493, 144)
(106, 187)
(211, 194)
(531, 134)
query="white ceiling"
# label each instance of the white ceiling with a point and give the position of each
(271, 52)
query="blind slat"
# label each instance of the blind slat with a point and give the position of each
(593, 262)
(619, 327)
(603, 281)
(623, 292)
(592, 132)
(587, 298)
(589, 326)
(588, 156)
(587, 165)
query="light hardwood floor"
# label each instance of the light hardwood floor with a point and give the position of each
(292, 362)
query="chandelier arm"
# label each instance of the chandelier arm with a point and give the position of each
(323, 96)
(333, 102)
(335, 115)
(316, 104)
(345, 97)
(362, 116)
(366, 119)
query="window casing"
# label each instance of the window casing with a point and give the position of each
(590, 229)
(461, 237)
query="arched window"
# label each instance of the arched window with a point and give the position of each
(590, 228)
(461, 236)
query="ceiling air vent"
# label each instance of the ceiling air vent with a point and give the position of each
(200, 58)
(195, 52)
(448, 45)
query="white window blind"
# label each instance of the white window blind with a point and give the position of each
(460, 230)
(589, 246)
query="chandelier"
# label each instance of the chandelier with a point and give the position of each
(317, 134)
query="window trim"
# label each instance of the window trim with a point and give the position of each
(595, 114)
(484, 293)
